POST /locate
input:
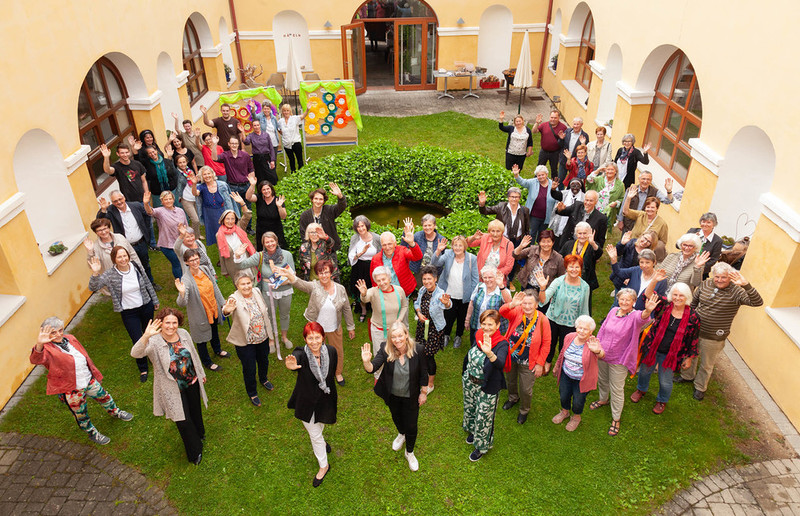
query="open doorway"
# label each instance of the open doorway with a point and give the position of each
(391, 43)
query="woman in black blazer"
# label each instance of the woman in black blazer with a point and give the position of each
(314, 396)
(482, 377)
(401, 385)
(519, 144)
(628, 158)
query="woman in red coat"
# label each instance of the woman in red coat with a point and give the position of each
(73, 376)
(396, 259)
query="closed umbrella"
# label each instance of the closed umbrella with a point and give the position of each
(524, 76)
(293, 72)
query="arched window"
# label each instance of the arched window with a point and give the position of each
(676, 116)
(103, 116)
(196, 83)
(583, 74)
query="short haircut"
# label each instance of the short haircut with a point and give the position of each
(313, 327)
(601, 129)
(515, 190)
(630, 137)
(235, 138)
(555, 111)
(491, 314)
(692, 238)
(684, 289)
(612, 164)
(269, 234)
(190, 253)
(627, 292)
(587, 320)
(577, 119)
(123, 146)
(582, 225)
(321, 191)
(54, 322)
(428, 218)
(322, 265)
(646, 172)
(580, 147)
(205, 135)
(573, 258)
(225, 214)
(311, 228)
(264, 183)
(593, 193)
(359, 220)
(239, 276)
(166, 193)
(721, 268)
(167, 311)
(225, 105)
(389, 235)
(540, 168)
(652, 200)
(378, 271)
(488, 269)
(187, 121)
(115, 251)
(648, 254)
(99, 223)
(429, 269)
(112, 193)
(496, 224)
(181, 157)
(710, 217)
(459, 238)
(547, 234)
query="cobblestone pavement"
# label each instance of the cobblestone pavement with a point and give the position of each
(43, 475)
(771, 487)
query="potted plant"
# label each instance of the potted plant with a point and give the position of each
(554, 62)
(228, 73)
(57, 248)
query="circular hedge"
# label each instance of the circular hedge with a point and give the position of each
(384, 171)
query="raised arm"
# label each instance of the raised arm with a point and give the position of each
(204, 110)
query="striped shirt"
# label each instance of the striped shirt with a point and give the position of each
(717, 307)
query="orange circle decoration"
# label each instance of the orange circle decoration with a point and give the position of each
(247, 127)
(312, 128)
(340, 122)
(341, 101)
(348, 115)
(243, 113)
(326, 129)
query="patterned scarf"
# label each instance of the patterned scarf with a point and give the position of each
(222, 243)
(64, 344)
(276, 257)
(671, 361)
(319, 370)
(682, 263)
(581, 168)
(623, 157)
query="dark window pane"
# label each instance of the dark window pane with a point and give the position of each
(89, 138)
(107, 130)
(84, 113)
(674, 121)
(690, 131)
(665, 150)
(681, 165)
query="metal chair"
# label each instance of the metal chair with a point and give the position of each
(276, 80)
(311, 76)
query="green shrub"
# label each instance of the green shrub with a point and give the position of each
(384, 171)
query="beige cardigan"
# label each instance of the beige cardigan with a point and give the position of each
(393, 312)
(316, 299)
(240, 318)
(166, 393)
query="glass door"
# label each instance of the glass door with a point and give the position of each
(353, 55)
(415, 54)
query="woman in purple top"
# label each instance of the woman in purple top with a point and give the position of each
(619, 337)
(168, 217)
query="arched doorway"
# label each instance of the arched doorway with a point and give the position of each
(391, 44)
(103, 116)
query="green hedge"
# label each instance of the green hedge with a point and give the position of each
(384, 171)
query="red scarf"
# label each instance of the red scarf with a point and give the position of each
(222, 244)
(671, 361)
(497, 338)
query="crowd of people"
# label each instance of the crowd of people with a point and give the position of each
(525, 295)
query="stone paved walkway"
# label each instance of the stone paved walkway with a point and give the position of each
(42, 475)
(771, 487)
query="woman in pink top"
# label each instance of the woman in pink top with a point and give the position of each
(495, 249)
(168, 218)
(619, 337)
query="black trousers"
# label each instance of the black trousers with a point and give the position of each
(550, 157)
(254, 356)
(513, 159)
(191, 429)
(295, 151)
(456, 314)
(263, 172)
(405, 413)
(431, 359)
(202, 347)
(135, 321)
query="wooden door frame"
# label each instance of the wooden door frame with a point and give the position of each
(423, 70)
(346, 57)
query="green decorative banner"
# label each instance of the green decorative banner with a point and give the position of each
(334, 87)
(270, 93)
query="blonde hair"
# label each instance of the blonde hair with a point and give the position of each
(496, 224)
(311, 227)
(391, 352)
(459, 238)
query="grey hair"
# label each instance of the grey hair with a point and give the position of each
(379, 271)
(627, 292)
(577, 119)
(630, 137)
(709, 216)
(361, 219)
(645, 172)
(586, 319)
(691, 237)
(515, 190)
(488, 268)
(611, 164)
(114, 192)
(721, 268)
(684, 289)
(54, 322)
(648, 254)
(389, 235)
(581, 225)
(428, 218)
(540, 168)
(593, 193)
(272, 235)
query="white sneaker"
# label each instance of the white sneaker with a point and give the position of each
(430, 389)
(413, 463)
(398, 442)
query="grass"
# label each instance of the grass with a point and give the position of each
(260, 460)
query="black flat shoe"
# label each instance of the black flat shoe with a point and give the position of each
(318, 481)
(340, 382)
(255, 401)
(198, 460)
(508, 404)
(327, 447)
(143, 377)
(215, 367)
(521, 418)
(223, 354)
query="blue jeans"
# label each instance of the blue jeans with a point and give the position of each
(173, 259)
(664, 378)
(537, 226)
(570, 390)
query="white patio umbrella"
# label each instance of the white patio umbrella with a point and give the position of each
(293, 72)
(523, 79)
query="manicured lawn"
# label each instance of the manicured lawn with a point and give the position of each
(259, 460)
